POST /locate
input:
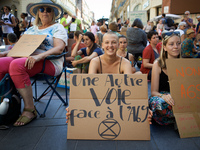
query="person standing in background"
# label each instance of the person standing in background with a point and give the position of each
(147, 27)
(160, 27)
(7, 22)
(181, 27)
(137, 40)
(187, 20)
(76, 24)
(94, 28)
(119, 23)
(23, 24)
(65, 23)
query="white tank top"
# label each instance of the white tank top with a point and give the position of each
(6, 28)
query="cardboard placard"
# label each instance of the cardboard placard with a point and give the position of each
(108, 107)
(26, 45)
(184, 78)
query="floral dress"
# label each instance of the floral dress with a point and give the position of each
(162, 111)
(187, 47)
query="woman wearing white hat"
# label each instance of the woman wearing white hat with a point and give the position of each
(21, 69)
(181, 28)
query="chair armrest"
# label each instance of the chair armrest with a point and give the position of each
(52, 57)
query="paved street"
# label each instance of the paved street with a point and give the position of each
(50, 133)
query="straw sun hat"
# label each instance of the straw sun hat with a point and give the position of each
(33, 8)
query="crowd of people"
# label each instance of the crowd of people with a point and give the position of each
(100, 49)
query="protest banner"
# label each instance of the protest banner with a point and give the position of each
(139, 14)
(184, 79)
(108, 107)
(26, 45)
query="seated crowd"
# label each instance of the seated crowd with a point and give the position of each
(103, 49)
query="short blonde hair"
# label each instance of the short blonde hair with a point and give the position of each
(38, 22)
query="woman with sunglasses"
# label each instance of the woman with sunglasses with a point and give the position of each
(181, 28)
(7, 22)
(21, 69)
(161, 101)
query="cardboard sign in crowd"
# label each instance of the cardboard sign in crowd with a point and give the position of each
(108, 107)
(184, 78)
(26, 45)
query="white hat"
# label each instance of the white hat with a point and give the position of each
(33, 8)
(198, 17)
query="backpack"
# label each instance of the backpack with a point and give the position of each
(169, 22)
(10, 18)
(8, 90)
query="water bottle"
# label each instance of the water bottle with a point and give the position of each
(4, 106)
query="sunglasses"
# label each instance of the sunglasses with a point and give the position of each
(167, 35)
(48, 9)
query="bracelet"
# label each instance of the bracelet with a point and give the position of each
(160, 95)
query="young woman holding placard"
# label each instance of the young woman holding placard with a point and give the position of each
(161, 101)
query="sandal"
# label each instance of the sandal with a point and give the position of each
(25, 119)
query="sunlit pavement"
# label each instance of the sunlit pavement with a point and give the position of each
(50, 133)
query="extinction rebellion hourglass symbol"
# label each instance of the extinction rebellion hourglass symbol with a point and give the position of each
(109, 129)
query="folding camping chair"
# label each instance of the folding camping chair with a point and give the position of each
(52, 83)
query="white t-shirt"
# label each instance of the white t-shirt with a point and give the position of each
(181, 31)
(7, 28)
(54, 31)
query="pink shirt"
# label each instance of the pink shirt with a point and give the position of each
(94, 29)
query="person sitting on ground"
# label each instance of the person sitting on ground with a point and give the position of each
(103, 29)
(90, 51)
(122, 51)
(181, 28)
(198, 25)
(150, 53)
(12, 40)
(99, 39)
(197, 42)
(114, 28)
(81, 45)
(21, 69)
(110, 62)
(161, 101)
(188, 49)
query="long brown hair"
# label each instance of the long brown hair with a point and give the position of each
(164, 54)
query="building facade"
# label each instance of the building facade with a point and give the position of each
(72, 7)
(122, 8)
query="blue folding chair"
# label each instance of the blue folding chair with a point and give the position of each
(52, 83)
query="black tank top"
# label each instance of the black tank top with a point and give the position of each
(127, 56)
(163, 82)
(101, 65)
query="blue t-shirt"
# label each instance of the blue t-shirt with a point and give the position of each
(97, 50)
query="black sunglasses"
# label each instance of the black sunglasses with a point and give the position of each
(48, 9)
(166, 35)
